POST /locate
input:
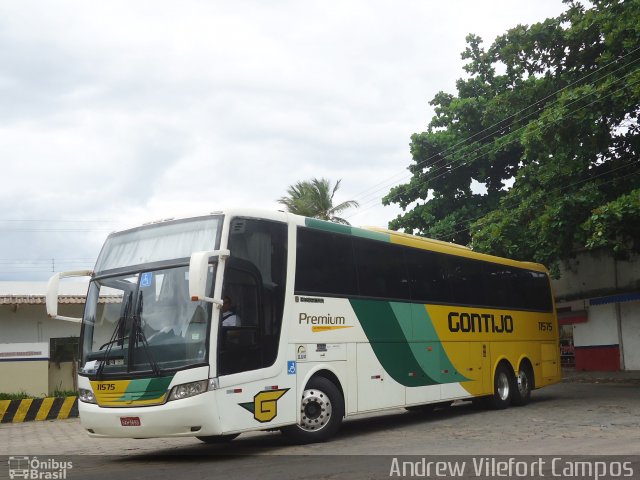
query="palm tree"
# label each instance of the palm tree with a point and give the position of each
(314, 198)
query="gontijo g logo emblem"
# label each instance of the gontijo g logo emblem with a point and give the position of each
(265, 404)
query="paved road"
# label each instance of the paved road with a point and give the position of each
(564, 419)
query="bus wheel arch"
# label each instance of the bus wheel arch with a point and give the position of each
(322, 408)
(332, 377)
(523, 383)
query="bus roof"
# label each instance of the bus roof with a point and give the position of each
(399, 238)
(373, 233)
(453, 249)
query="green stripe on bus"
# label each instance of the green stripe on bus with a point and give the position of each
(346, 230)
(389, 343)
(389, 326)
(427, 345)
(147, 388)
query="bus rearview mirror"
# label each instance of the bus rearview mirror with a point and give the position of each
(53, 288)
(198, 273)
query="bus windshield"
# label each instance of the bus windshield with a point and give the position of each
(139, 316)
(143, 322)
(159, 242)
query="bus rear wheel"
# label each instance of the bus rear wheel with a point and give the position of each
(523, 384)
(502, 388)
(321, 412)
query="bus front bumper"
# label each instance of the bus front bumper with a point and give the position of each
(194, 416)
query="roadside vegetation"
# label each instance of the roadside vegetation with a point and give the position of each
(24, 395)
(536, 156)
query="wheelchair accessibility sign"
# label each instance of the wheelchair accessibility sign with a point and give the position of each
(291, 367)
(146, 280)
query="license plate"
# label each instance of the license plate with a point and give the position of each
(130, 421)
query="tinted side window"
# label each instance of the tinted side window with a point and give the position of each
(427, 276)
(442, 278)
(381, 270)
(467, 280)
(530, 290)
(497, 285)
(336, 264)
(325, 263)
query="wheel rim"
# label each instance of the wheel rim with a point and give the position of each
(503, 386)
(523, 383)
(315, 410)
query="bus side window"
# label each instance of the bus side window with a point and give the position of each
(427, 276)
(325, 264)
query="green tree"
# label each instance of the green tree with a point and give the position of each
(540, 159)
(314, 198)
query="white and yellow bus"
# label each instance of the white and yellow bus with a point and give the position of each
(329, 321)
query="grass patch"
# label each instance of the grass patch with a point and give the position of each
(15, 396)
(24, 395)
(64, 393)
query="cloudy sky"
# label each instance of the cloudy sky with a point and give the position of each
(121, 112)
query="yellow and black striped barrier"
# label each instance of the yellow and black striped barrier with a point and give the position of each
(28, 409)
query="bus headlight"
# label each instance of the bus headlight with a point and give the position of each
(189, 389)
(86, 396)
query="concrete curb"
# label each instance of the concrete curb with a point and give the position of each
(29, 409)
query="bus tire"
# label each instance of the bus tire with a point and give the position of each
(321, 409)
(213, 439)
(522, 385)
(502, 388)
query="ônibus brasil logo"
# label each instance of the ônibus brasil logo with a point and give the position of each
(37, 468)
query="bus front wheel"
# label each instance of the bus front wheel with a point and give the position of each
(321, 412)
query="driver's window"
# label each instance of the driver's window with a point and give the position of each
(253, 291)
(239, 338)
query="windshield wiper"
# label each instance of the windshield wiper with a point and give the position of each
(116, 337)
(139, 335)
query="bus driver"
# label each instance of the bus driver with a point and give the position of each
(229, 316)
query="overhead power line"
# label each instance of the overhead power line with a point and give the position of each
(386, 184)
(485, 150)
(25, 265)
(49, 225)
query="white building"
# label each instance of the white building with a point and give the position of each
(598, 301)
(36, 352)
